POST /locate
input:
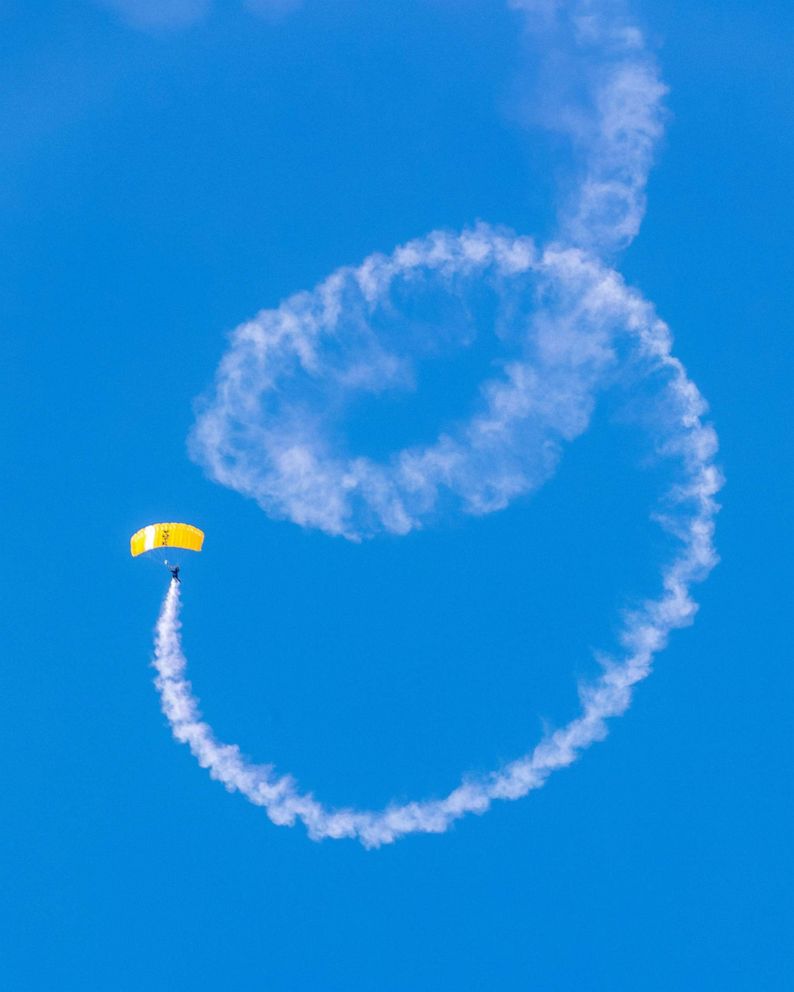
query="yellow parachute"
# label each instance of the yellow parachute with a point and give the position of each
(166, 536)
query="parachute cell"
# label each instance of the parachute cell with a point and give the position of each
(173, 535)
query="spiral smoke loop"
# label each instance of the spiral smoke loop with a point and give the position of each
(567, 328)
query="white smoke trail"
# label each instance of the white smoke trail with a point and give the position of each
(601, 89)
(600, 310)
(569, 329)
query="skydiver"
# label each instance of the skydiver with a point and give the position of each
(174, 570)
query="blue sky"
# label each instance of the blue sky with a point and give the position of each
(159, 185)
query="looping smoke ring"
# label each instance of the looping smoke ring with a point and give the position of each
(566, 324)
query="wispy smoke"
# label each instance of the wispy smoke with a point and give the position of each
(596, 84)
(569, 329)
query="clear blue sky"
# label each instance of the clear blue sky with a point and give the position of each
(158, 186)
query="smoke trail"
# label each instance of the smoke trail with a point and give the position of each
(601, 305)
(644, 634)
(291, 376)
(600, 88)
(569, 329)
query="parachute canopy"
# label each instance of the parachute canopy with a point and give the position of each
(166, 536)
